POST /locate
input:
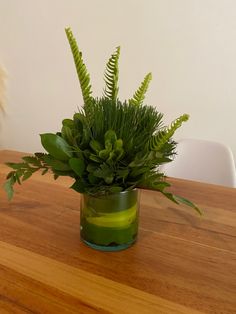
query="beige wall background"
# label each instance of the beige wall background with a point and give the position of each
(188, 45)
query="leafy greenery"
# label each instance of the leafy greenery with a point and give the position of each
(108, 146)
(81, 69)
(139, 95)
(112, 75)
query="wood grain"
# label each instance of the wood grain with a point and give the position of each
(180, 264)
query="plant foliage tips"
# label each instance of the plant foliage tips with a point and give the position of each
(108, 146)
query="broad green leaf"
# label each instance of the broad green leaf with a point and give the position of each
(68, 122)
(56, 164)
(118, 144)
(104, 154)
(56, 146)
(77, 165)
(78, 186)
(110, 137)
(67, 135)
(96, 146)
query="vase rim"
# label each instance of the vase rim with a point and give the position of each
(116, 193)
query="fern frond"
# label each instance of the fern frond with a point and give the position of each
(162, 137)
(81, 69)
(111, 76)
(139, 95)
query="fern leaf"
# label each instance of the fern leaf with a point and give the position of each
(162, 137)
(139, 95)
(81, 69)
(111, 76)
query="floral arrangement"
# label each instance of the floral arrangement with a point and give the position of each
(109, 145)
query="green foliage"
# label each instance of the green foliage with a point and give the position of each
(56, 146)
(108, 146)
(24, 170)
(111, 76)
(81, 69)
(139, 95)
(163, 136)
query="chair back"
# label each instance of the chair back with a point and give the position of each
(204, 161)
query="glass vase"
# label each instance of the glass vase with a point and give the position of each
(109, 222)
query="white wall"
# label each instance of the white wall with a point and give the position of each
(189, 45)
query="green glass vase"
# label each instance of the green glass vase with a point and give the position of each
(109, 222)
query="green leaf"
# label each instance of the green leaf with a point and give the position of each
(111, 76)
(67, 135)
(105, 172)
(81, 69)
(161, 138)
(8, 187)
(122, 173)
(109, 179)
(16, 165)
(92, 179)
(68, 123)
(104, 154)
(78, 186)
(110, 137)
(56, 164)
(91, 167)
(95, 158)
(56, 146)
(185, 201)
(139, 95)
(96, 146)
(27, 175)
(77, 165)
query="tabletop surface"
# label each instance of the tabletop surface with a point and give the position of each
(181, 263)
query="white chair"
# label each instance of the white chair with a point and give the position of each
(203, 161)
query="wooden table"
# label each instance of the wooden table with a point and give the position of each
(180, 264)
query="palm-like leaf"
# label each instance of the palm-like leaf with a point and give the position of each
(139, 95)
(81, 69)
(162, 137)
(111, 76)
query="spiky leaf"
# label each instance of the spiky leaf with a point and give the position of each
(81, 69)
(111, 76)
(139, 95)
(161, 138)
